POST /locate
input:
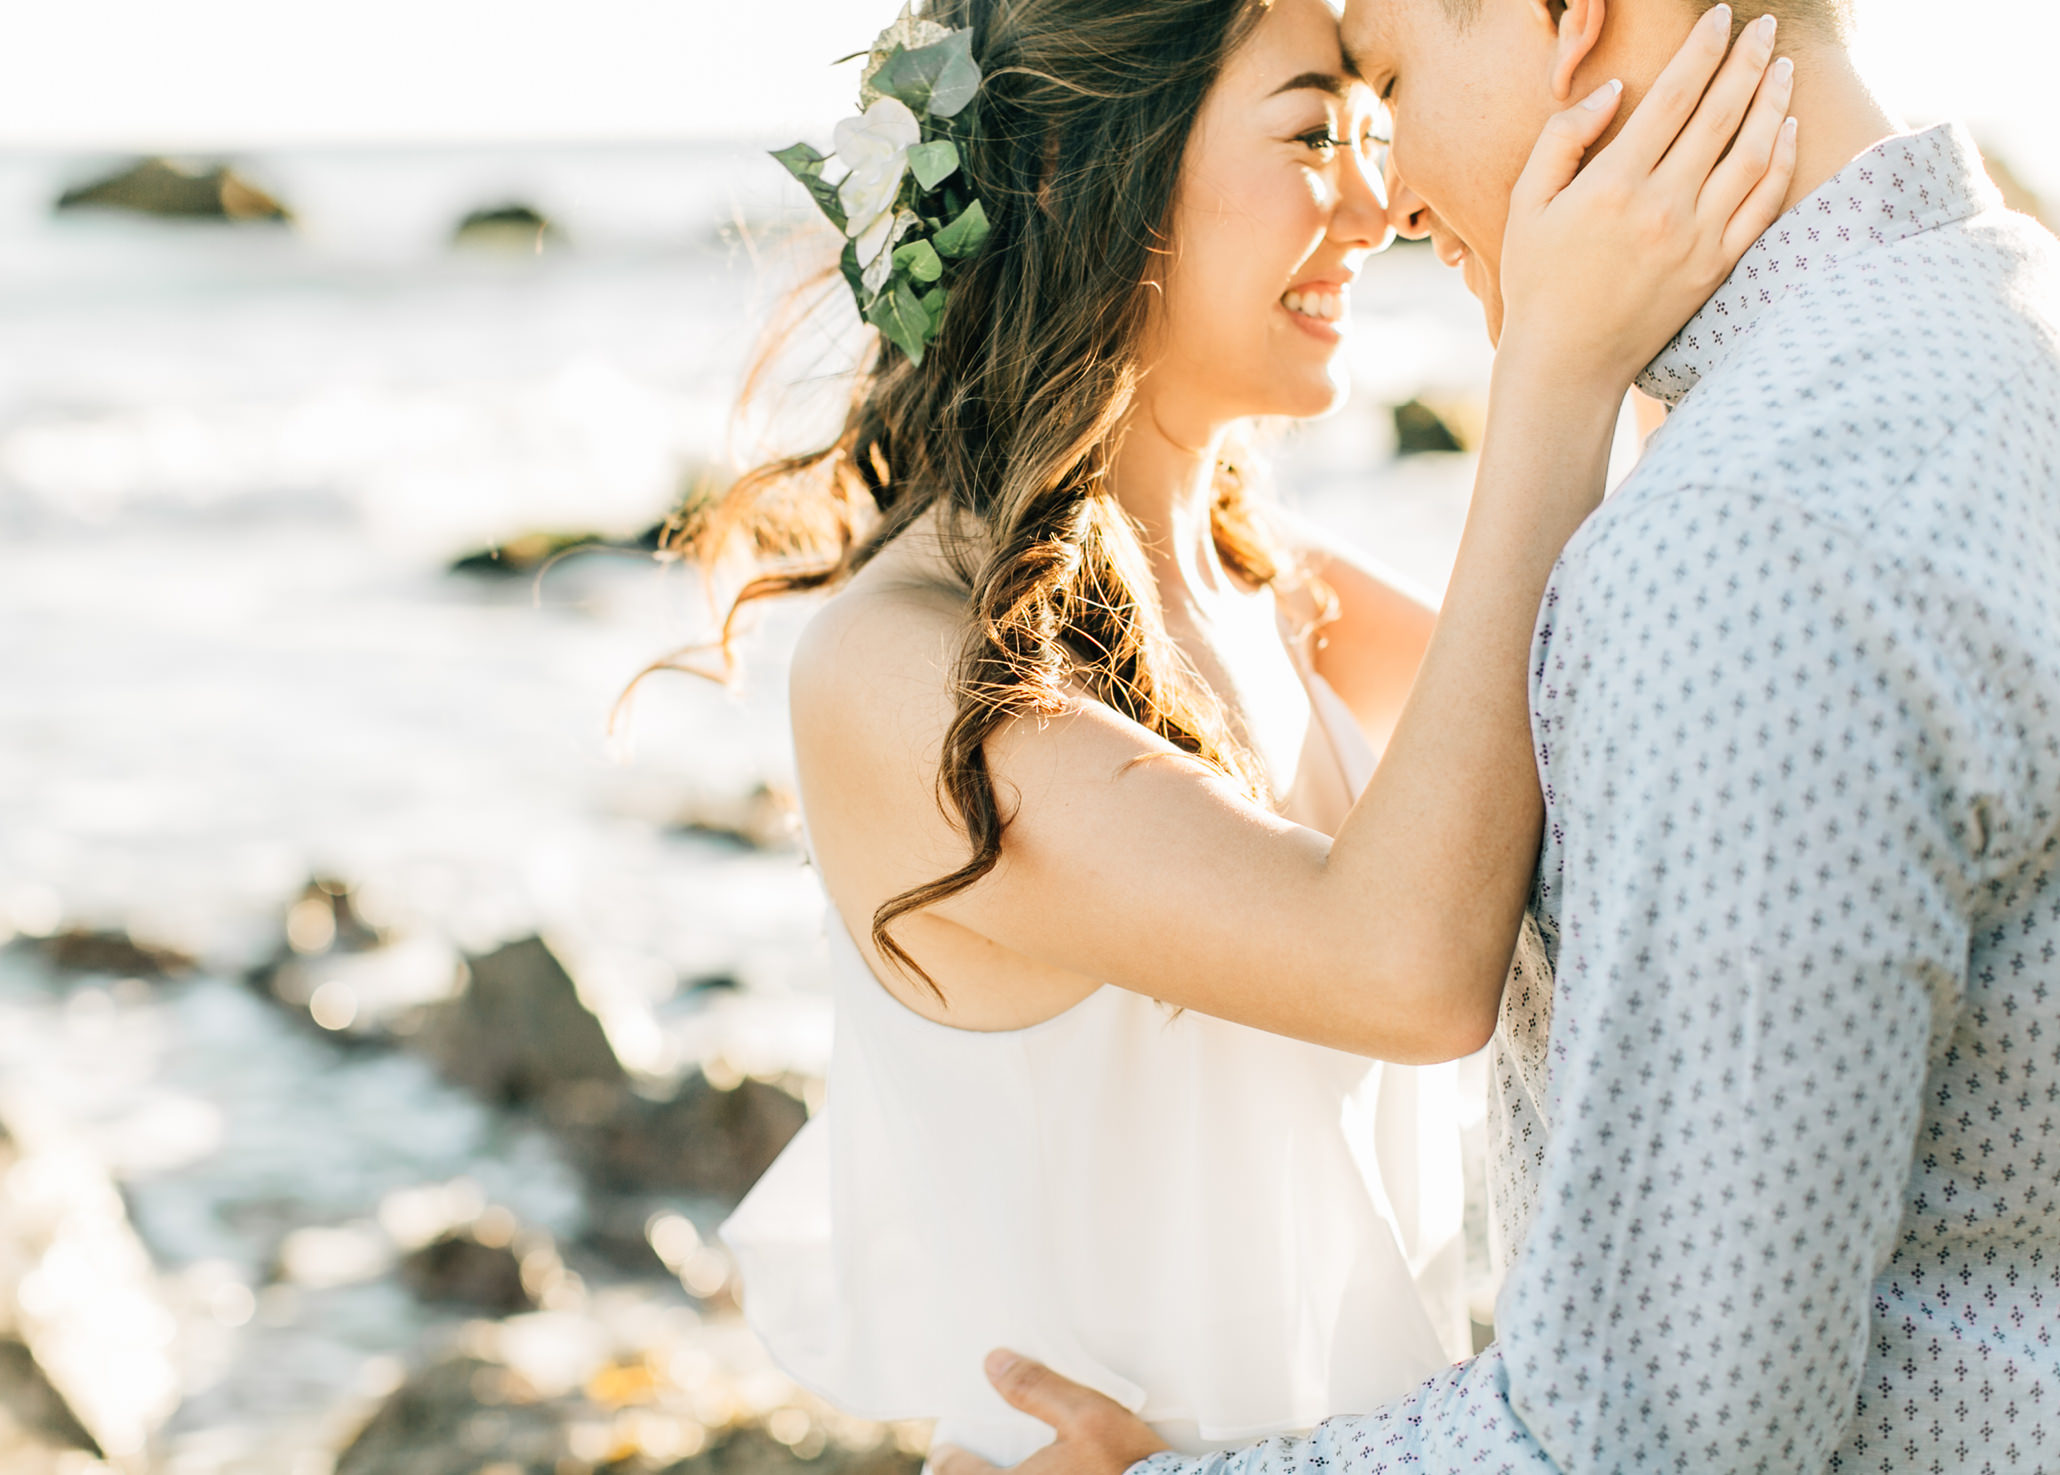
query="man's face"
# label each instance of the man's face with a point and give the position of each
(1468, 104)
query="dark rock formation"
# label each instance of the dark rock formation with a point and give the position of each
(510, 227)
(35, 1406)
(1420, 429)
(82, 951)
(519, 1036)
(750, 1450)
(478, 1267)
(703, 1141)
(763, 819)
(457, 1418)
(523, 556)
(160, 187)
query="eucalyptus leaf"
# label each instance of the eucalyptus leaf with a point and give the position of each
(899, 314)
(933, 162)
(919, 260)
(939, 79)
(964, 235)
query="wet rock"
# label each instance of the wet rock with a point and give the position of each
(1419, 430)
(704, 1141)
(763, 819)
(752, 1449)
(2018, 195)
(80, 950)
(489, 1266)
(162, 188)
(519, 1035)
(350, 979)
(78, 1295)
(523, 556)
(510, 227)
(35, 1407)
(460, 1417)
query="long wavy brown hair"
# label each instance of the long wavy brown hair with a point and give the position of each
(1008, 429)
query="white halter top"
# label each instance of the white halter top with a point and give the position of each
(1230, 1233)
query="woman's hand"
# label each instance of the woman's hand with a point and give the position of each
(1601, 266)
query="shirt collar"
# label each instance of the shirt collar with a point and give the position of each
(1904, 185)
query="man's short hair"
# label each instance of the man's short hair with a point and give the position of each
(1828, 19)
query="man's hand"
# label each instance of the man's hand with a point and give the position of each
(1097, 1435)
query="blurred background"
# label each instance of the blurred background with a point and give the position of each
(380, 1039)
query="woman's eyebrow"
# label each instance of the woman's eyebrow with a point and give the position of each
(1328, 82)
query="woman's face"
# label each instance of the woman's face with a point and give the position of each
(1279, 205)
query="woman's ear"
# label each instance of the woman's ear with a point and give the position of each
(1580, 30)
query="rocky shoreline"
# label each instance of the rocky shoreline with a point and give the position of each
(560, 1308)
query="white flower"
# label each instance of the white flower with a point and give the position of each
(876, 247)
(874, 147)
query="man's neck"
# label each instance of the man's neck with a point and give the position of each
(1838, 118)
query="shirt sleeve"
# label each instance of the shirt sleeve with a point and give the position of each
(1762, 781)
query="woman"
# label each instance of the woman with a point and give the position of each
(1081, 734)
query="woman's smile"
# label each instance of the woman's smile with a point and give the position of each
(1319, 308)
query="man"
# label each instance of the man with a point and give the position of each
(1796, 700)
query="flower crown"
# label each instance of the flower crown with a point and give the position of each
(903, 204)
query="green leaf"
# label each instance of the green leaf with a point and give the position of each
(933, 162)
(933, 303)
(854, 274)
(964, 235)
(898, 313)
(939, 79)
(806, 165)
(918, 259)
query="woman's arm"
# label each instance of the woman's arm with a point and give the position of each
(1125, 862)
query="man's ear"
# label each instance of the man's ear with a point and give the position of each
(1580, 30)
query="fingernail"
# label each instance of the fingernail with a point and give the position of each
(1600, 97)
(1768, 25)
(1788, 130)
(999, 1361)
(1783, 69)
(1719, 18)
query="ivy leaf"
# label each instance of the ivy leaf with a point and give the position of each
(919, 261)
(934, 162)
(938, 79)
(806, 165)
(932, 302)
(899, 314)
(964, 235)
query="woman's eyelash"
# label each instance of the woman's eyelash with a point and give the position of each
(1321, 138)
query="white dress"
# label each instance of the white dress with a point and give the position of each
(1230, 1233)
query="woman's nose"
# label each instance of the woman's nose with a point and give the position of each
(1408, 216)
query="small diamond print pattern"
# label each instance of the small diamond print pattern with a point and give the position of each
(1796, 700)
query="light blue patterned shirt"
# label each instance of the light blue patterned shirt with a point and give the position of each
(1796, 699)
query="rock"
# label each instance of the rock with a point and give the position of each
(460, 1417)
(763, 819)
(37, 1408)
(754, 1450)
(704, 1141)
(160, 187)
(488, 1266)
(1419, 429)
(78, 1298)
(520, 1036)
(82, 951)
(523, 556)
(510, 227)
(350, 978)
(2018, 195)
